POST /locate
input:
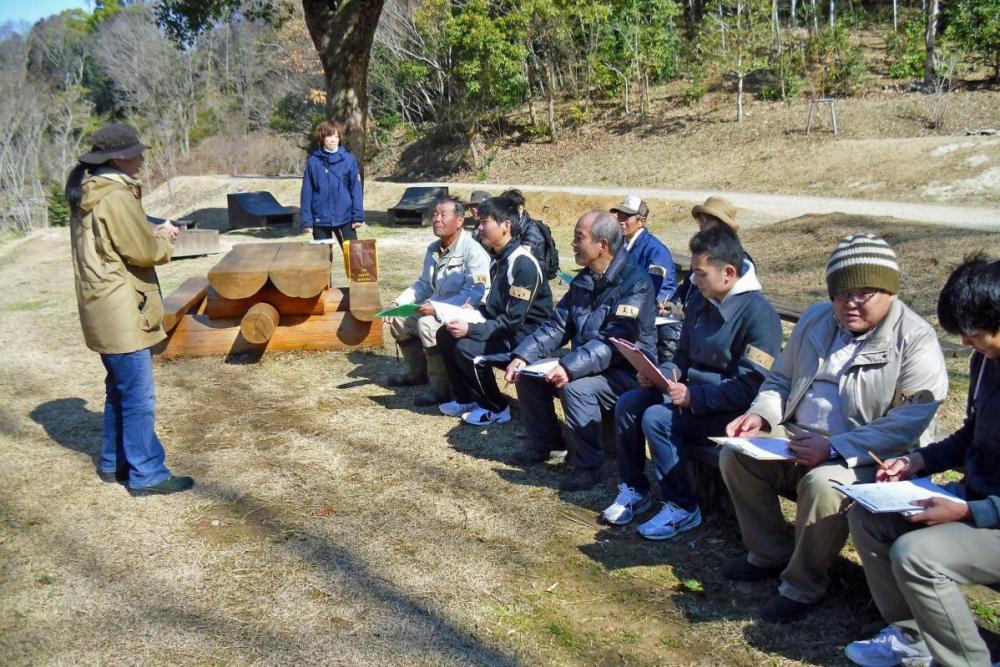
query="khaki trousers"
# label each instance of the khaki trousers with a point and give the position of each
(423, 327)
(914, 572)
(820, 531)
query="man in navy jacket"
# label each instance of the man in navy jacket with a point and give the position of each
(610, 298)
(729, 340)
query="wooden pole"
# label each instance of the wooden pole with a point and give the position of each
(258, 325)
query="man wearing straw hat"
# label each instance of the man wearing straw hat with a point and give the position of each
(861, 377)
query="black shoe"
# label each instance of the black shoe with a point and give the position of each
(116, 477)
(740, 569)
(581, 479)
(405, 380)
(171, 484)
(527, 457)
(780, 609)
(427, 399)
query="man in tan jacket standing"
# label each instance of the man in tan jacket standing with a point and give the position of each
(121, 310)
(861, 375)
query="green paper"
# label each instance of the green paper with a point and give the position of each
(405, 310)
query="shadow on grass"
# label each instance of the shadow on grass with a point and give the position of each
(423, 632)
(68, 422)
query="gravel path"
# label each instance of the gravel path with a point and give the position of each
(760, 209)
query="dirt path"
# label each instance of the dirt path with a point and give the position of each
(760, 209)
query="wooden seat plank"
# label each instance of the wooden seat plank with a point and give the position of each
(301, 269)
(189, 295)
(243, 270)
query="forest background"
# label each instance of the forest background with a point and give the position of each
(243, 96)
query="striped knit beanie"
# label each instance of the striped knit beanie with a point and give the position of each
(862, 261)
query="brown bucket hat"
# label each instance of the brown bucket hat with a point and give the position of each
(720, 208)
(115, 141)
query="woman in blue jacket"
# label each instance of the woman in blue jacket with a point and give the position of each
(332, 202)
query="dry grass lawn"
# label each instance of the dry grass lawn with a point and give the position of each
(333, 523)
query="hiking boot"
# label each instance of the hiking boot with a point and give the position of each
(437, 378)
(416, 365)
(780, 609)
(670, 521)
(481, 416)
(627, 504)
(171, 484)
(455, 409)
(581, 479)
(889, 647)
(740, 569)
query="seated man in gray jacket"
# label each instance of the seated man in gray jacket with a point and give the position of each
(862, 374)
(914, 564)
(456, 270)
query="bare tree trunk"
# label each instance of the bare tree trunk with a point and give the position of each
(930, 39)
(832, 12)
(815, 13)
(895, 15)
(551, 93)
(343, 31)
(791, 17)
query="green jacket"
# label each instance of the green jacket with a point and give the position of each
(114, 252)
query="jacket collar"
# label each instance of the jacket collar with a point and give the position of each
(504, 253)
(635, 238)
(876, 347)
(730, 305)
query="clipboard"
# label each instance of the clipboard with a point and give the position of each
(641, 363)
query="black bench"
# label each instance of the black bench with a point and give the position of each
(414, 205)
(257, 209)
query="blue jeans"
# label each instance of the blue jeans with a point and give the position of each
(129, 441)
(670, 430)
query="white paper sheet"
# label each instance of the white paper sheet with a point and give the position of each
(895, 496)
(539, 368)
(763, 449)
(446, 313)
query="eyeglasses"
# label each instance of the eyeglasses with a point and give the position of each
(858, 296)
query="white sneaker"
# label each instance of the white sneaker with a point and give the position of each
(628, 503)
(669, 521)
(481, 416)
(889, 647)
(455, 409)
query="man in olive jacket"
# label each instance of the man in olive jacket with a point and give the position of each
(861, 373)
(121, 311)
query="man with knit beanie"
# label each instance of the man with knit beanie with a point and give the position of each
(861, 375)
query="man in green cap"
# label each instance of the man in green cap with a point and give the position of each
(861, 375)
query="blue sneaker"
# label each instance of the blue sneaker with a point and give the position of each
(669, 521)
(889, 647)
(628, 503)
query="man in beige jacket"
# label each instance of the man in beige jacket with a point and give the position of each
(121, 311)
(860, 375)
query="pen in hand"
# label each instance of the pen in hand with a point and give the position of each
(876, 459)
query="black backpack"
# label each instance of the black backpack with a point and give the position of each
(550, 256)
